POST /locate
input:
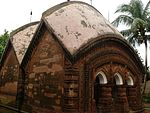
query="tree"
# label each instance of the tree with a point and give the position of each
(137, 18)
(3, 41)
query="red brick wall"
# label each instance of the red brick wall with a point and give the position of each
(56, 85)
(9, 76)
(45, 76)
(110, 58)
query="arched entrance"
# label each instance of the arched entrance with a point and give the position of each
(117, 81)
(99, 87)
(131, 91)
(119, 96)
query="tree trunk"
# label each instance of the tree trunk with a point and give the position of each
(91, 2)
(145, 76)
(68, 0)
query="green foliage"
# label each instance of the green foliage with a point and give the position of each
(146, 98)
(137, 18)
(3, 41)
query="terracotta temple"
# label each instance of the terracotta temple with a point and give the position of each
(12, 57)
(73, 61)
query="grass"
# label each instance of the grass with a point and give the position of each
(146, 108)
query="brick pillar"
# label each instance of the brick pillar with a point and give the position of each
(104, 102)
(134, 98)
(71, 93)
(121, 102)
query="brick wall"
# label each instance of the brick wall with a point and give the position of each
(45, 76)
(9, 77)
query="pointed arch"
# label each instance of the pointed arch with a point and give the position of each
(118, 79)
(130, 81)
(101, 78)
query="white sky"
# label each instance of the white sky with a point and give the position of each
(16, 13)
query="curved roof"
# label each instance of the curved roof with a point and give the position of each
(21, 38)
(77, 23)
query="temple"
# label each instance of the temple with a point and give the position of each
(76, 62)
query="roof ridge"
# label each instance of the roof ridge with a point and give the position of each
(23, 27)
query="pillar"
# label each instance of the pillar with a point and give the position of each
(134, 98)
(121, 102)
(104, 102)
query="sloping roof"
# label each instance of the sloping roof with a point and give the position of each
(21, 38)
(77, 27)
(77, 23)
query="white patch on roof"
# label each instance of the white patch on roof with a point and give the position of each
(75, 24)
(22, 39)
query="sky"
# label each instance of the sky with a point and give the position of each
(16, 13)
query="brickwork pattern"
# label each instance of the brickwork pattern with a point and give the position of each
(45, 75)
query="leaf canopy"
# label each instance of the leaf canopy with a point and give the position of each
(3, 41)
(137, 18)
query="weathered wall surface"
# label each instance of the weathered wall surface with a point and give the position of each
(71, 88)
(9, 76)
(110, 58)
(54, 84)
(45, 76)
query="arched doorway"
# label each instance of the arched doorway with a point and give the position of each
(119, 96)
(100, 82)
(131, 91)
(117, 80)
